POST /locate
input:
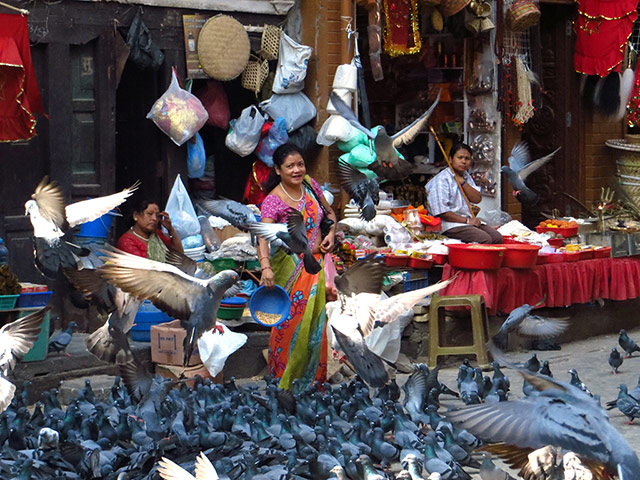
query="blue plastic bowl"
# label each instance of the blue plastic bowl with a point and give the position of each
(98, 228)
(270, 300)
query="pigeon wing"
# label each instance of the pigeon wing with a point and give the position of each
(365, 276)
(268, 231)
(366, 363)
(352, 180)
(409, 133)
(50, 202)
(535, 165)
(541, 327)
(181, 261)
(204, 468)
(164, 285)
(296, 228)
(96, 288)
(519, 157)
(169, 470)
(7, 390)
(346, 112)
(88, 210)
(137, 378)
(17, 338)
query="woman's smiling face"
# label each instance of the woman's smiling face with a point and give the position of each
(292, 170)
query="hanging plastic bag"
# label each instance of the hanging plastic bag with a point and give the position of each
(142, 50)
(277, 136)
(216, 347)
(245, 132)
(215, 101)
(178, 113)
(292, 65)
(304, 138)
(180, 209)
(296, 108)
(196, 157)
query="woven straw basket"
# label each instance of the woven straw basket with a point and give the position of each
(223, 47)
(451, 7)
(522, 15)
(270, 42)
(255, 74)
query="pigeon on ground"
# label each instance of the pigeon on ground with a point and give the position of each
(205, 470)
(528, 325)
(490, 471)
(615, 360)
(627, 404)
(576, 382)
(16, 339)
(237, 214)
(520, 167)
(545, 369)
(388, 165)
(293, 234)
(557, 414)
(532, 364)
(60, 341)
(194, 301)
(363, 190)
(627, 344)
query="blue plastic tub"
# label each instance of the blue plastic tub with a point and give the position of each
(33, 299)
(270, 300)
(98, 228)
(147, 315)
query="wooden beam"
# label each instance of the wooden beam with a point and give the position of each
(265, 7)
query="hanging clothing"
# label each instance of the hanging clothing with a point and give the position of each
(298, 346)
(19, 94)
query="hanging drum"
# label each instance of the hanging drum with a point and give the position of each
(223, 47)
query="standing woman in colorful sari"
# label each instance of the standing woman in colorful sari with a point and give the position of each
(298, 346)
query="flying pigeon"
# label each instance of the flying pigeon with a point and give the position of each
(388, 165)
(60, 341)
(615, 360)
(52, 221)
(520, 168)
(366, 275)
(237, 214)
(557, 414)
(520, 320)
(205, 470)
(627, 344)
(363, 190)
(192, 300)
(16, 339)
(293, 234)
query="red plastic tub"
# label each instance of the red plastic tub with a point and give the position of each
(556, 257)
(439, 258)
(422, 263)
(586, 254)
(543, 258)
(571, 256)
(555, 242)
(396, 260)
(604, 252)
(565, 232)
(476, 256)
(520, 255)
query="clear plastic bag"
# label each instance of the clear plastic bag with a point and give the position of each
(180, 209)
(178, 113)
(245, 132)
(296, 108)
(196, 157)
(216, 347)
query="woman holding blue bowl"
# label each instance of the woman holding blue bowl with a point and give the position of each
(298, 346)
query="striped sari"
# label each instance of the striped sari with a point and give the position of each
(298, 346)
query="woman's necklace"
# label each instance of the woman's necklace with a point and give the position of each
(139, 236)
(287, 193)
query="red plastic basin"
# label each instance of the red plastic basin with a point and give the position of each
(543, 258)
(476, 256)
(555, 242)
(396, 260)
(423, 263)
(571, 256)
(439, 258)
(520, 255)
(586, 254)
(565, 232)
(604, 252)
(556, 258)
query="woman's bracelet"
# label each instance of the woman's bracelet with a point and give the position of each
(267, 268)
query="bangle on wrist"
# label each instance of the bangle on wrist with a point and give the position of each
(266, 268)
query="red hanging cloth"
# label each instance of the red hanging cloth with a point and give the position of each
(19, 94)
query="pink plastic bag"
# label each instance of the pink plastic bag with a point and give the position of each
(330, 272)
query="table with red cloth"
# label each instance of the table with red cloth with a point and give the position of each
(563, 283)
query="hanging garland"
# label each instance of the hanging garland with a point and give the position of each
(633, 107)
(401, 30)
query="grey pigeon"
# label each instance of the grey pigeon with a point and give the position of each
(237, 214)
(627, 404)
(366, 275)
(60, 341)
(627, 344)
(520, 168)
(615, 360)
(363, 190)
(576, 382)
(532, 364)
(388, 165)
(490, 471)
(555, 413)
(293, 234)
(520, 320)
(194, 301)
(16, 339)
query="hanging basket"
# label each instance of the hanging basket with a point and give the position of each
(523, 15)
(223, 47)
(451, 7)
(270, 42)
(255, 74)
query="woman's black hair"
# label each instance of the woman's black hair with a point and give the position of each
(459, 146)
(142, 204)
(279, 156)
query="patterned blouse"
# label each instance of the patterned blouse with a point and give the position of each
(276, 208)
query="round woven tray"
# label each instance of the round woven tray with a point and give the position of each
(522, 15)
(223, 47)
(621, 144)
(451, 7)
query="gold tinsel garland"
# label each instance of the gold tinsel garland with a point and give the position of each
(401, 27)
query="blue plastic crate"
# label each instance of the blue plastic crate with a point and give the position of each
(420, 281)
(147, 315)
(33, 299)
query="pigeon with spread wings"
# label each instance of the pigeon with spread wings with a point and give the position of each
(293, 234)
(193, 300)
(520, 167)
(169, 470)
(388, 165)
(363, 190)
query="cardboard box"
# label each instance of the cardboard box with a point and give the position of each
(174, 372)
(226, 232)
(167, 344)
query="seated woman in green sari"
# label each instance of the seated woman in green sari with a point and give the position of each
(298, 346)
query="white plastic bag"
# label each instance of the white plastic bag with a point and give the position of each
(216, 347)
(345, 95)
(178, 113)
(346, 77)
(292, 65)
(180, 209)
(296, 108)
(335, 128)
(245, 131)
